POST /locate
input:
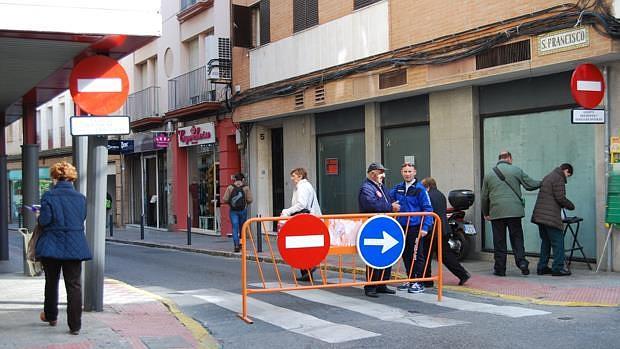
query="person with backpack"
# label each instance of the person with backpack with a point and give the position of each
(238, 196)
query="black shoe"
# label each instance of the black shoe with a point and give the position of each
(372, 293)
(464, 279)
(384, 289)
(561, 272)
(544, 271)
(524, 269)
(429, 284)
(499, 273)
(304, 277)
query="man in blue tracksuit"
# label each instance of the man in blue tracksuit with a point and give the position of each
(411, 195)
(373, 198)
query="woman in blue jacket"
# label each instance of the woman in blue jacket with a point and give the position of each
(62, 244)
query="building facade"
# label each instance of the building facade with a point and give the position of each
(334, 85)
(184, 146)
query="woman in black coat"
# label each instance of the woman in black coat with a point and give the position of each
(62, 245)
(438, 201)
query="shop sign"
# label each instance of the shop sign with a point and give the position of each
(126, 146)
(588, 116)
(161, 140)
(116, 146)
(563, 40)
(197, 134)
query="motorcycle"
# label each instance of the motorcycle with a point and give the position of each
(460, 232)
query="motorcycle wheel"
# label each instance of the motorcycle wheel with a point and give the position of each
(461, 244)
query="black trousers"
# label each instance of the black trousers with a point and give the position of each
(515, 232)
(449, 257)
(418, 266)
(376, 276)
(71, 271)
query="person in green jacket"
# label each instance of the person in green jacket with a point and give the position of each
(503, 205)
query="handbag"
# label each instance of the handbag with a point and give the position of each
(32, 244)
(501, 176)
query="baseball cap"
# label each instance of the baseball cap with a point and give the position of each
(375, 166)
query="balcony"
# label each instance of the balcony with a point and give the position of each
(191, 89)
(143, 108)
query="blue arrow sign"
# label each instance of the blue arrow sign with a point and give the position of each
(380, 242)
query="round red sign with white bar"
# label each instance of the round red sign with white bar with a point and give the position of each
(99, 85)
(303, 241)
(587, 85)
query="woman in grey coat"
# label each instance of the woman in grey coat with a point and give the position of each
(548, 216)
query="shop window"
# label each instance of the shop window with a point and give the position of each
(305, 14)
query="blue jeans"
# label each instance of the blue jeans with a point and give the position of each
(237, 218)
(552, 238)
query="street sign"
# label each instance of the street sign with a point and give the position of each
(303, 241)
(588, 116)
(99, 85)
(99, 125)
(587, 85)
(380, 242)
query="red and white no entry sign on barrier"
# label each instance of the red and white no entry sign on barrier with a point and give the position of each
(587, 85)
(99, 85)
(303, 241)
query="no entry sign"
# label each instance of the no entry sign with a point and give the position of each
(99, 85)
(303, 241)
(587, 85)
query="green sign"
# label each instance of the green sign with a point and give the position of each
(613, 199)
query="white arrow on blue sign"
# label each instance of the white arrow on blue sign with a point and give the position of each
(380, 242)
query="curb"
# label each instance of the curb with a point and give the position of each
(202, 336)
(349, 270)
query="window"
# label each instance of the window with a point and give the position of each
(193, 55)
(358, 4)
(251, 25)
(187, 3)
(50, 139)
(305, 14)
(50, 128)
(38, 127)
(62, 137)
(62, 122)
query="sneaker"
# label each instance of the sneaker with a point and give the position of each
(416, 288)
(404, 286)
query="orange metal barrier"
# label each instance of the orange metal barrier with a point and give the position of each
(273, 281)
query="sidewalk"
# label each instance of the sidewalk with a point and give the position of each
(583, 288)
(131, 318)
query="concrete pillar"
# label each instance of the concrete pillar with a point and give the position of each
(372, 134)
(230, 164)
(30, 162)
(299, 144)
(455, 144)
(259, 149)
(179, 192)
(4, 194)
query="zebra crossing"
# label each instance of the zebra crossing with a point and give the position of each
(301, 323)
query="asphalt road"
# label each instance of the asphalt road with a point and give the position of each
(208, 289)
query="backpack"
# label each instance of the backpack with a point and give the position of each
(237, 200)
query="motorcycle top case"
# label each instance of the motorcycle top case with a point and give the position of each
(461, 199)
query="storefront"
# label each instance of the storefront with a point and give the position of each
(15, 190)
(531, 118)
(146, 182)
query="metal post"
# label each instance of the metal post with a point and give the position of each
(4, 196)
(111, 225)
(189, 229)
(142, 226)
(80, 161)
(30, 189)
(259, 236)
(95, 222)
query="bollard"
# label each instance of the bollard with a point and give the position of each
(142, 227)
(111, 226)
(189, 230)
(259, 236)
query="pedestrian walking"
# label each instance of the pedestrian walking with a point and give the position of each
(412, 197)
(62, 245)
(450, 260)
(503, 205)
(238, 196)
(304, 201)
(373, 198)
(548, 216)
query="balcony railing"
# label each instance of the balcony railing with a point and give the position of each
(190, 88)
(142, 104)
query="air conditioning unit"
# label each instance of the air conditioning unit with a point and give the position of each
(219, 59)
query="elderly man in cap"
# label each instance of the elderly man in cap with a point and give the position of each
(374, 198)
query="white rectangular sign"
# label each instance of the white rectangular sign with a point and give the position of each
(563, 40)
(588, 116)
(99, 125)
(100, 85)
(197, 134)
